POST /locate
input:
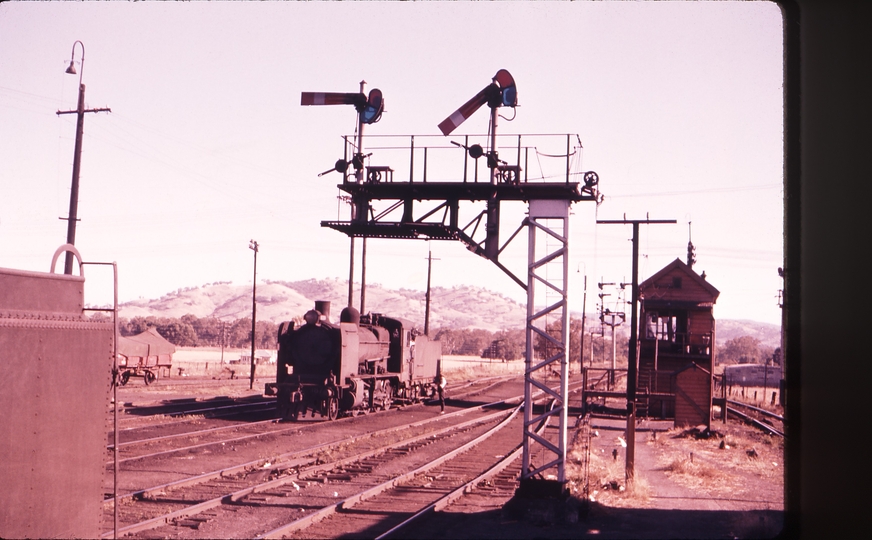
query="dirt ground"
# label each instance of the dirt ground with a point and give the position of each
(685, 487)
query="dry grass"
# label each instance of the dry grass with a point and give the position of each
(757, 396)
(462, 368)
(748, 466)
(607, 480)
(741, 461)
(686, 465)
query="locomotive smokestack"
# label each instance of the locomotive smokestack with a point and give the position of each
(323, 307)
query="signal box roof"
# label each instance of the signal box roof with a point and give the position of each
(678, 283)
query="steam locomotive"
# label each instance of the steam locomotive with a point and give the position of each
(363, 363)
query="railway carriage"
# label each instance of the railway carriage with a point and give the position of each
(752, 375)
(362, 363)
(147, 355)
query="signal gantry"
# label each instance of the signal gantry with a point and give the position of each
(405, 190)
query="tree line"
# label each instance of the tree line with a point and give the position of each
(748, 350)
(192, 331)
(510, 344)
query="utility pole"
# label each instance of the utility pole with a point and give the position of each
(633, 356)
(223, 338)
(691, 251)
(358, 176)
(591, 347)
(606, 312)
(612, 324)
(253, 246)
(430, 260)
(583, 316)
(363, 277)
(80, 111)
(782, 303)
(351, 275)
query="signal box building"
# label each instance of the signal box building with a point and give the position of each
(677, 345)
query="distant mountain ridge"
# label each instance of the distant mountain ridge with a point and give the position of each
(455, 307)
(277, 301)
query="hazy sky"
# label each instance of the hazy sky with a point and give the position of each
(678, 106)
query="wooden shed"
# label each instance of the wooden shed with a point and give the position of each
(678, 329)
(693, 396)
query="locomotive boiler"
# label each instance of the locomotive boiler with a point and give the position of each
(360, 364)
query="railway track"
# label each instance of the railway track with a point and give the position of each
(189, 407)
(759, 418)
(386, 509)
(180, 447)
(246, 488)
(129, 427)
(499, 479)
(176, 504)
(139, 441)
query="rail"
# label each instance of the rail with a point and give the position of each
(375, 490)
(449, 498)
(294, 460)
(764, 412)
(762, 425)
(144, 493)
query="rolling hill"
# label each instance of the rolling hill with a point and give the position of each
(455, 307)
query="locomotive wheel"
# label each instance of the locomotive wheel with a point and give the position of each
(386, 401)
(150, 377)
(414, 394)
(387, 391)
(125, 377)
(332, 407)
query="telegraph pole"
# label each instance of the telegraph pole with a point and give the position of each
(633, 356)
(358, 176)
(614, 322)
(351, 275)
(430, 260)
(782, 304)
(80, 111)
(583, 315)
(604, 312)
(223, 339)
(253, 246)
(363, 277)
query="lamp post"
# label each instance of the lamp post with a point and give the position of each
(253, 246)
(77, 157)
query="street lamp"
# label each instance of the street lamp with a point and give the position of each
(253, 246)
(72, 69)
(77, 157)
